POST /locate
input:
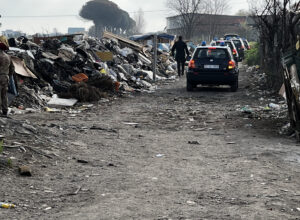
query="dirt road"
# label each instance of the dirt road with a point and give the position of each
(166, 155)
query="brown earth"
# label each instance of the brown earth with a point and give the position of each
(166, 155)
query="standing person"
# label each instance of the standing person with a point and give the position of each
(6, 69)
(182, 53)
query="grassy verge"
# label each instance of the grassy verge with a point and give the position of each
(252, 56)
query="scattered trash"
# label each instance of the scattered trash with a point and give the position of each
(274, 106)
(80, 77)
(160, 155)
(55, 101)
(82, 161)
(191, 203)
(286, 130)
(7, 205)
(130, 123)
(248, 126)
(194, 143)
(246, 110)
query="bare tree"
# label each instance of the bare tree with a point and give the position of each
(140, 22)
(215, 8)
(276, 21)
(187, 11)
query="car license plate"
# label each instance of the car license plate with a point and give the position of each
(211, 66)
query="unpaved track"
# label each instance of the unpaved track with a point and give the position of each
(149, 170)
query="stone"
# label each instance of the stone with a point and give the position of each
(25, 171)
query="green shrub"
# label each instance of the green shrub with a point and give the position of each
(252, 56)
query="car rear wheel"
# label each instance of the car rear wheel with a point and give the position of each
(189, 87)
(234, 87)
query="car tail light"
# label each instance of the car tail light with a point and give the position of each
(231, 64)
(234, 51)
(212, 48)
(192, 64)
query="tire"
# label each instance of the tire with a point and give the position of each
(189, 87)
(234, 87)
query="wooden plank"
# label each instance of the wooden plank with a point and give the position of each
(130, 43)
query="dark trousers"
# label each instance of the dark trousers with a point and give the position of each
(180, 67)
(3, 93)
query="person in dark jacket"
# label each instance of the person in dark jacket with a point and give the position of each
(181, 54)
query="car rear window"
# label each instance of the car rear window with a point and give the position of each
(229, 45)
(216, 53)
(226, 43)
(237, 43)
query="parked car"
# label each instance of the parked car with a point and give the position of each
(230, 36)
(212, 65)
(246, 43)
(231, 45)
(239, 44)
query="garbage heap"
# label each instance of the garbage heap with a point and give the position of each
(82, 68)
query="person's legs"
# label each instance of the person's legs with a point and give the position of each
(178, 67)
(4, 101)
(183, 67)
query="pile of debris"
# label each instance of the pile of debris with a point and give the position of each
(82, 68)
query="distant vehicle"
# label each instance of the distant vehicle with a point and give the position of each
(212, 65)
(213, 43)
(191, 46)
(246, 43)
(239, 44)
(231, 45)
(229, 36)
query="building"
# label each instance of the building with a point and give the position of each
(76, 30)
(12, 33)
(209, 26)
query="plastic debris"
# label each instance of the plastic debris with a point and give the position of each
(7, 205)
(55, 101)
(274, 106)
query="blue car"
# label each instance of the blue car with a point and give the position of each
(212, 65)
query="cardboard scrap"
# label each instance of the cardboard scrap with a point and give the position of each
(21, 68)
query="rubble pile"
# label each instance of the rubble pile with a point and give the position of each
(85, 68)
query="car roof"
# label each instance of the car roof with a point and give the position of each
(217, 47)
(223, 41)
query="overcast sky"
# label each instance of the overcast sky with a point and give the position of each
(155, 13)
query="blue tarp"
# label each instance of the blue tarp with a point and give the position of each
(149, 37)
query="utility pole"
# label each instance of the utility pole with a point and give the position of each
(154, 56)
